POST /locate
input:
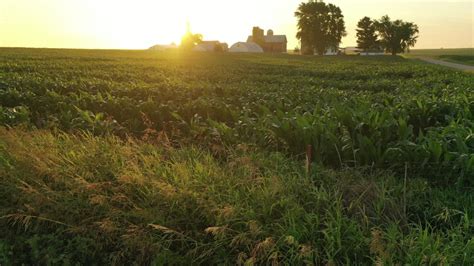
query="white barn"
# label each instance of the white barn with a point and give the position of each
(332, 50)
(245, 47)
(163, 47)
(210, 46)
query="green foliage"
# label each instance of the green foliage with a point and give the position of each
(14, 115)
(320, 26)
(378, 112)
(29, 247)
(396, 36)
(366, 35)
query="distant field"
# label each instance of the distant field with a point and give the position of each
(461, 56)
(149, 158)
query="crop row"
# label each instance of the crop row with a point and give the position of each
(379, 112)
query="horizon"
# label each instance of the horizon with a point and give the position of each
(126, 25)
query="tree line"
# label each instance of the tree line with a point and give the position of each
(321, 26)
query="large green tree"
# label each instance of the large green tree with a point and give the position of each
(396, 36)
(320, 26)
(367, 35)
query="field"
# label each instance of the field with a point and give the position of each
(461, 56)
(137, 157)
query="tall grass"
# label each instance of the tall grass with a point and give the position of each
(79, 198)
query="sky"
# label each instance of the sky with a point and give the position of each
(139, 24)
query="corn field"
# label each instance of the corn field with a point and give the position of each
(226, 134)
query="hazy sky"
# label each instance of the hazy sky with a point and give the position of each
(137, 24)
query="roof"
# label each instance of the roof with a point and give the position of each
(210, 46)
(205, 47)
(246, 47)
(163, 47)
(275, 38)
(271, 39)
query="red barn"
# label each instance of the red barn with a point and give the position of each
(270, 43)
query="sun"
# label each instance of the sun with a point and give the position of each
(142, 23)
(127, 24)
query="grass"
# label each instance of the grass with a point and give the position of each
(105, 200)
(139, 157)
(463, 59)
(461, 56)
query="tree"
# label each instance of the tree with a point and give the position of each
(218, 48)
(366, 35)
(396, 36)
(320, 26)
(189, 40)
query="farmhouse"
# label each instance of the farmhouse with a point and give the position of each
(245, 47)
(352, 50)
(211, 46)
(330, 50)
(270, 43)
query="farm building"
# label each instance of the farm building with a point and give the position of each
(163, 47)
(350, 50)
(245, 47)
(331, 50)
(211, 46)
(270, 43)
